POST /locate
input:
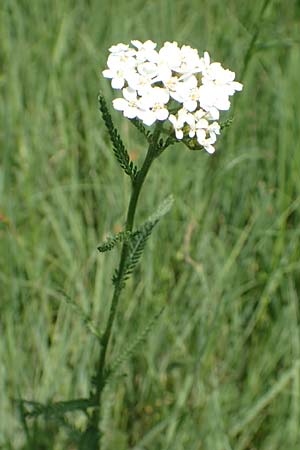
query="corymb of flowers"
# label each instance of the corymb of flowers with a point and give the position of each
(172, 84)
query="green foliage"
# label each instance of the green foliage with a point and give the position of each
(110, 243)
(132, 347)
(85, 318)
(56, 409)
(142, 129)
(118, 147)
(138, 239)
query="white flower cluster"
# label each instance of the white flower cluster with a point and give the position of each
(174, 79)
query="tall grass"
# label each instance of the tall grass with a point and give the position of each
(222, 369)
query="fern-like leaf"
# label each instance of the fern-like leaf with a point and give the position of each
(137, 244)
(110, 243)
(139, 125)
(86, 319)
(133, 346)
(138, 239)
(35, 409)
(118, 146)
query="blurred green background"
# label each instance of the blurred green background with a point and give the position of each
(221, 368)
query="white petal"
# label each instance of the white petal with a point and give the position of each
(192, 133)
(133, 80)
(162, 114)
(206, 58)
(223, 104)
(201, 136)
(120, 104)
(130, 112)
(147, 69)
(150, 45)
(179, 134)
(173, 119)
(148, 117)
(164, 95)
(108, 73)
(237, 86)
(210, 149)
(129, 94)
(137, 43)
(213, 113)
(202, 123)
(190, 105)
(117, 83)
(118, 48)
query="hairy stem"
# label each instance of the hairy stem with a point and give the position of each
(100, 377)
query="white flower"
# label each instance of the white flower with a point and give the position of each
(187, 92)
(214, 73)
(154, 82)
(146, 51)
(154, 105)
(130, 104)
(190, 60)
(183, 116)
(170, 56)
(119, 48)
(142, 79)
(213, 96)
(197, 121)
(119, 67)
(212, 130)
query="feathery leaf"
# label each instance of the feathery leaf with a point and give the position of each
(35, 409)
(131, 349)
(110, 243)
(118, 146)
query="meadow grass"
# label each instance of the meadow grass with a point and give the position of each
(221, 368)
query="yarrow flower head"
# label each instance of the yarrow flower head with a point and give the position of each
(172, 84)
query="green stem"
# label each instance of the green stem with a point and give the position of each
(136, 189)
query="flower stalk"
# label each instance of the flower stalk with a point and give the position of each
(101, 372)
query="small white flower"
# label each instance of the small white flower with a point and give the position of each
(213, 96)
(207, 141)
(130, 104)
(119, 67)
(190, 60)
(183, 116)
(170, 56)
(142, 79)
(154, 105)
(188, 93)
(215, 74)
(183, 88)
(119, 48)
(197, 121)
(145, 51)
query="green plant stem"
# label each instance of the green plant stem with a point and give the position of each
(136, 189)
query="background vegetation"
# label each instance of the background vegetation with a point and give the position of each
(221, 369)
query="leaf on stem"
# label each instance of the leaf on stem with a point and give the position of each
(139, 125)
(110, 243)
(86, 319)
(35, 409)
(138, 239)
(133, 346)
(118, 146)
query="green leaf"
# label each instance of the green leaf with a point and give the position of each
(139, 125)
(138, 239)
(110, 243)
(133, 346)
(86, 319)
(118, 147)
(35, 409)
